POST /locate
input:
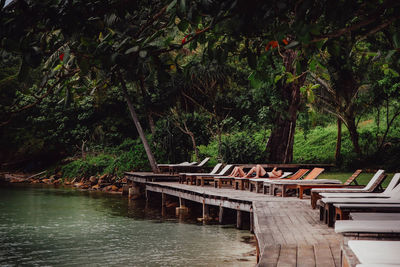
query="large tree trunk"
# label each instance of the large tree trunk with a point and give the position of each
(351, 126)
(146, 109)
(139, 128)
(338, 156)
(280, 142)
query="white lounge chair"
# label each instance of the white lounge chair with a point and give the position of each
(375, 182)
(183, 176)
(365, 216)
(368, 226)
(385, 194)
(373, 253)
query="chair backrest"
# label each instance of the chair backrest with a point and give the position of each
(393, 184)
(300, 173)
(201, 164)
(353, 177)
(225, 170)
(375, 181)
(216, 168)
(314, 174)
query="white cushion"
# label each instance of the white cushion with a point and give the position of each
(376, 252)
(368, 226)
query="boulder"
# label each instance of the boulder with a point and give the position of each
(107, 188)
(114, 188)
(80, 184)
(93, 180)
(96, 187)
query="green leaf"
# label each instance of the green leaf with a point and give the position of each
(292, 44)
(315, 86)
(313, 65)
(396, 40)
(132, 50)
(390, 54)
(171, 5)
(182, 6)
(277, 78)
(143, 53)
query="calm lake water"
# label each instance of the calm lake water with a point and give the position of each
(45, 226)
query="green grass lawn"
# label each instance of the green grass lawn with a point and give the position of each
(362, 179)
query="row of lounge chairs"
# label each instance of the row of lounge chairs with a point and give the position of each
(363, 213)
(287, 181)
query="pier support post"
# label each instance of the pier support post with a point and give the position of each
(182, 210)
(206, 212)
(125, 190)
(221, 215)
(134, 191)
(251, 221)
(239, 219)
(163, 204)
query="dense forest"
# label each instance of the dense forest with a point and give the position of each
(92, 87)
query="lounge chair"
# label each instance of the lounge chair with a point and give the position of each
(257, 183)
(167, 167)
(364, 227)
(266, 186)
(327, 209)
(200, 180)
(188, 167)
(365, 216)
(284, 185)
(191, 176)
(241, 183)
(371, 253)
(343, 211)
(372, 185)
(302, 187)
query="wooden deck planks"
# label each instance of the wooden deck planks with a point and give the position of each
(287, 256)
(323, 256)
(288, 231)
(305, 256)
(270, 256)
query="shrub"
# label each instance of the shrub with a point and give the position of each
(241, 148)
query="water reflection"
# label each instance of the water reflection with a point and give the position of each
(46, 226)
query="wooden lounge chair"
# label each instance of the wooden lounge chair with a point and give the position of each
(344, 211)
(350, 227)
(189, 168)
(365, 216)
(285, 185)
(363, 253)
(202, 179)
(191, 176)
(327, 209)
(372, 185)
(302, 187)
(257, 183)
(168, 167)
(266, 186)
(241, 183)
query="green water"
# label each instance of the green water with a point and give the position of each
(45, 226)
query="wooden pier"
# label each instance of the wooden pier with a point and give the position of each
(288, 231)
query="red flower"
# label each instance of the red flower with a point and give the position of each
(61, 56)
(184, 39)
(285, 41)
